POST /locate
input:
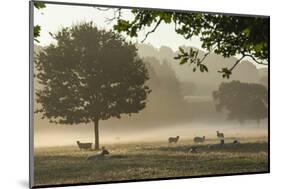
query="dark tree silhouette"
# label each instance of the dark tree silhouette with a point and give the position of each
(242, 101)
(222, 34)
(90, 75)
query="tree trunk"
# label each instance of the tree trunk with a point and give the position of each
(97, 145)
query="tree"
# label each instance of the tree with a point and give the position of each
(242, 101)
(222, 34)
(90, 75)
(258, 110)
(37, 28)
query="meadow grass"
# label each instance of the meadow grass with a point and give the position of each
(134, 161)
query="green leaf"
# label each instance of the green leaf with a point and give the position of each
(39, 5)
(37, 30)
(51, 34)
(177, 57)
(183, 61)
(203, 68)
(247, 32)
(259, 47)
(181, 50)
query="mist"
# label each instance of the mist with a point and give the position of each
(68, 135)
(180, 104)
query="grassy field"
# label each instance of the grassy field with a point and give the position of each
(68, 165)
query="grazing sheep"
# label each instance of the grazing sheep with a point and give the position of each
(234, 143)
(100, 155)
(193, 149)
(173, 139)
(222, 144)
(86, 146)
(199, 139)
(216, 145)
(220, 135)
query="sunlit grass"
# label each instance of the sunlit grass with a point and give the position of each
(67, 165)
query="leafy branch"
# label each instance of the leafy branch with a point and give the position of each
(226, 72)
(255, 60)
(37, 28)
(192, 58)
(231, 35)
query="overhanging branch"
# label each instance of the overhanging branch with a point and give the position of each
(256, 61)
(237, 62)
(153, 30)
(208, 53)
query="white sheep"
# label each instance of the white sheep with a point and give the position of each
(199, 139)
(173, 139)
(100, 155)
(220, 135)
(86, 146)
(193, 149)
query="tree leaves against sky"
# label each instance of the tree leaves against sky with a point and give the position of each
(37, 28)
(222, 34)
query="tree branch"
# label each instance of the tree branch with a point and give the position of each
(206, 54)
(153, 30)
(228, 71)
(237, 62)
(254, 59)
(117, 14)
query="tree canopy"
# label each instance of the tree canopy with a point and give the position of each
(222, 34)
(242, 101)
(90, 75)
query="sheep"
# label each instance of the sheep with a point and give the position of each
(222, 144)
(173, 139)
(220, 135)
(101, 155)
(86, 146)
(216, 145)
(236, 142)
(199, 139)
(193, 149)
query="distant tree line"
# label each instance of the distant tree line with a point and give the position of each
(242, 101)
